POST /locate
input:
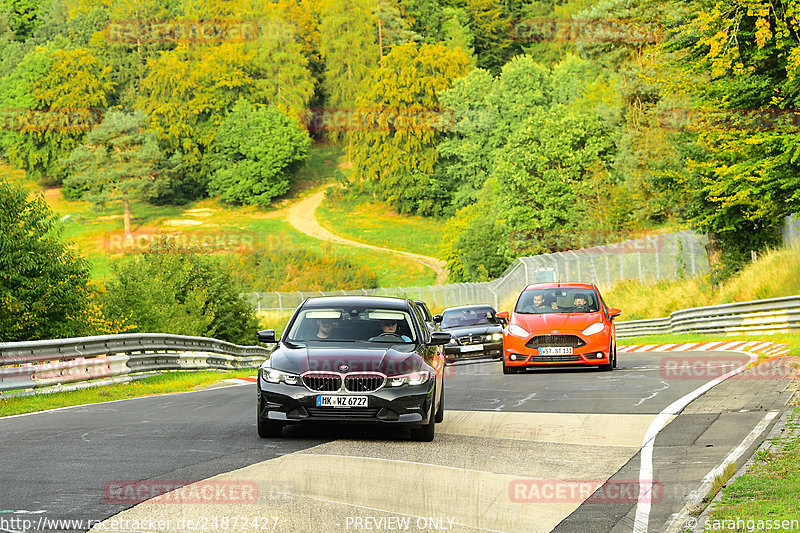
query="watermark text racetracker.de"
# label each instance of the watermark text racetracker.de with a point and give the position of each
(49, 119)
(587, 490)
(705, 368)
(134, 31)
(197, 523)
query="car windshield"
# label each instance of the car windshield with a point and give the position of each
(558, 300)
(368, 325)
(468, 317)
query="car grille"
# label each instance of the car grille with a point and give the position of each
(555, 341)
(353, 382)
(555, 358)
(367, 382)
(470, 339)
(333, 414)
(323, 382)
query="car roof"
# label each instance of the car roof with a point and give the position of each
(562, 285)
(386, 302)
(467, 307)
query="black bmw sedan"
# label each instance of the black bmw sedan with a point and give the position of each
(475, 329)
(353, 359)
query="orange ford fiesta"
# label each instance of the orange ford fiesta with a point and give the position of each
(558, 324)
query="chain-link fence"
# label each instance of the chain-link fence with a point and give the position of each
(791, 231)
(648, 259)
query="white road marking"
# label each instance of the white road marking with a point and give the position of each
(679, 519)
(646, 465)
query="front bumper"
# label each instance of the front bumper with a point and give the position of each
(290, 404)
(488, 349)
(594, 353)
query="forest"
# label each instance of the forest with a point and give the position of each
(525, 126)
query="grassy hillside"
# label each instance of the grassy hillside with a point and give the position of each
(377, 223)
(98, 231)
(775, 274)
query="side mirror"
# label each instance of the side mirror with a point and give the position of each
(437, 319)
(439, 338)
(267, 335)
(503, 316)
(614, 313)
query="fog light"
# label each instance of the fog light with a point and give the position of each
(599, 355)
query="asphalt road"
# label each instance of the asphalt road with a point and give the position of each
(550, 450)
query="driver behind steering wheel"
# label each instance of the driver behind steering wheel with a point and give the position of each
(389, 327)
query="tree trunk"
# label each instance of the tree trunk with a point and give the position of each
(126, 205)
(380, 41)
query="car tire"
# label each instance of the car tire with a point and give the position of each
(440, 408)
(425, 433)
(268, 429)
(507, 369)
(615, 356)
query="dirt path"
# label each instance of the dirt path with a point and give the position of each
(302, 216)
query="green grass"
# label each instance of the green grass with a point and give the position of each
(376, 223)
(98, 231)
(772, 276)
(159, 384)
(720, 481)
(767, 491)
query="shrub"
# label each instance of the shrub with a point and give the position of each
(175, 289)
(271, 267)
(255, 153)
(43, 282)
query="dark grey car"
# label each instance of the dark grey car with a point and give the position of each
(475, 331)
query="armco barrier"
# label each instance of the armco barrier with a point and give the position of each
(776, 315)
(48, 363)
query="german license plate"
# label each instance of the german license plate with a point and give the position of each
(341, 401)
(472, 348)
(555, 351)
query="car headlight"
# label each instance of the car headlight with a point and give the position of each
(518, 331)
(495, 336)
(270, 375)
(597, 327)
(414, 378)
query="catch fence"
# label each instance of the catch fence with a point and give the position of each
(670, 256)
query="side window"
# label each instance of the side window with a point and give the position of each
(602, 302)
(426, 334)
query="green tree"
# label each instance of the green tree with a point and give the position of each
(57, 95)
(120, 161)
(394, 151)
(174, 289)
(350, 51)
(475, 243)
(392, 29)
(457, 33)
(485, 111)
(490, 25)
(255, 153)
(43, 282)
(742, 170)
(542, 174)
(22, 17)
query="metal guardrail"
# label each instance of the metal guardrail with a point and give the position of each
(49, 363)
(777, 315)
